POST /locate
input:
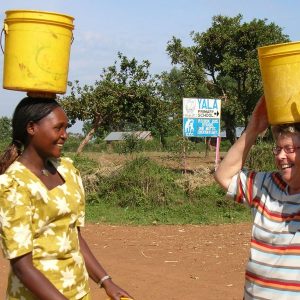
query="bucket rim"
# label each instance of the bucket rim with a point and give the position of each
(281, 48)
(38, 11)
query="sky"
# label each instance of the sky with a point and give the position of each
(140, 29)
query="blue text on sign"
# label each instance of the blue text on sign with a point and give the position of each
(207, 104)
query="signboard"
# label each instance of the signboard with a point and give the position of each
(201, 117)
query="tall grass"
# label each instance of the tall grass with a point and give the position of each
(143, 192)
(141, 183)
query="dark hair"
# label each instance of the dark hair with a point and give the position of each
(28, 110)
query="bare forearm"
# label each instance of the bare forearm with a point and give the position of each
(94, 268)
(237, 154)
(235, 158)
(97, 272)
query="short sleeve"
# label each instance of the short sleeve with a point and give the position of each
(81, 207)
(79, 194)
(15, 218)
(243, 187)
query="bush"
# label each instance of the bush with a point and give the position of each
(213, 205)
(141, 183)
(143, 192)
(130, 144)
(88, 170)
(261, 157)
(72, 143)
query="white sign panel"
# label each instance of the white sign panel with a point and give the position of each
(201, 117)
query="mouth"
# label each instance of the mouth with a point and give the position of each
(285, 166)
(60, 145)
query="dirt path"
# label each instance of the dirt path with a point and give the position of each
(169, 262)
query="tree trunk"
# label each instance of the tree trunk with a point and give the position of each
(85, 140)
(97, 122)
(229, 122)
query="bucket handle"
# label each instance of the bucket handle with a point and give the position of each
(1, 40)
(5, 30)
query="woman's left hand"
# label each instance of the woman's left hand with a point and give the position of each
(114, 291)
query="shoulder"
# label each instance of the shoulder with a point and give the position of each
(5, 181)
(67, 162)
(12, 183)
(65, 165)
(15, 174)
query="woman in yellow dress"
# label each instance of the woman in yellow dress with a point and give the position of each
(42, 211)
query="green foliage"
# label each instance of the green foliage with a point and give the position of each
(125, 97)
(181, 83)
(228, 53)
(212, 204)
(225, 145)
(83, 163)
(72, 143)
(130, 144)
(146, 193)
(5, 132)
(261, 157)
(182, 146)
(141, 183)
(208, 205)
(88, 169)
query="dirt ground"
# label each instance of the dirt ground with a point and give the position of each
(169, 262)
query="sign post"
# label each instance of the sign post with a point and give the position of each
(201, 118)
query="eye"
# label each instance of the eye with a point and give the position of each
(289, 149)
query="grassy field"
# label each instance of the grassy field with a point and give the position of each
(155, 188)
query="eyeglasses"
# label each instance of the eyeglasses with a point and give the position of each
(287, 149)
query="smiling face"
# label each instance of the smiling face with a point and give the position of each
(289, 163)
(49, 134)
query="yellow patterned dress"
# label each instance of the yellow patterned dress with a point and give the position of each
(44, 222)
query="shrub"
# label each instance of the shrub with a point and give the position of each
(89, 170)
(261, 157)
(141, 183)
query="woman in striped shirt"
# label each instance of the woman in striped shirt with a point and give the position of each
(273, 269)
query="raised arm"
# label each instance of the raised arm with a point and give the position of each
(237, 154)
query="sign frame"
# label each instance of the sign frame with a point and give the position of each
(201, 117)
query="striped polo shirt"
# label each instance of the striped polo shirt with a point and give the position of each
(273, 269)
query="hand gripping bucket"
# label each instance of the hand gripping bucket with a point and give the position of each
(280, 69)
(37, 51)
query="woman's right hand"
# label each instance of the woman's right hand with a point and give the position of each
(259, 118)
(114, 291)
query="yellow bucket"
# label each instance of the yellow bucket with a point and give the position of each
(280, 69)
(37, 51)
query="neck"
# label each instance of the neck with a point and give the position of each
(294, 190)
(34, 161)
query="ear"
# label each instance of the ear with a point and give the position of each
(30, 128)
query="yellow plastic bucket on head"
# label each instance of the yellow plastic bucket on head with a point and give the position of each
(37, 51)
(280, 69)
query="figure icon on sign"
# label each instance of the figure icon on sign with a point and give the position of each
(189, 127)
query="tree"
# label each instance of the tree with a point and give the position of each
(228, 53)
(177, 84)
(5, 129)
(124, 97)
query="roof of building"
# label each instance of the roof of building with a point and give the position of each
(238, 132)
(120, 135)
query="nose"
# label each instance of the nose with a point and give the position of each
(64, 135)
